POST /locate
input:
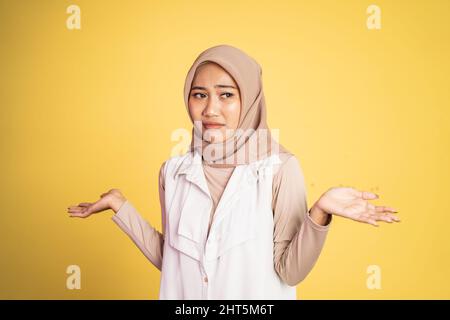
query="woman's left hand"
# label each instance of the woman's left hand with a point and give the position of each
(353, 204)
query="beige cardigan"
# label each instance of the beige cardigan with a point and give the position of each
(298, 240)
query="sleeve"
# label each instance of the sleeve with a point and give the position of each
(147, 239)
(298, 240)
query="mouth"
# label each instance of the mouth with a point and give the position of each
(212, 125)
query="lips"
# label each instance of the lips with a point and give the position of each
(212, 125)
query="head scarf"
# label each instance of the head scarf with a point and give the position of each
(252, 140)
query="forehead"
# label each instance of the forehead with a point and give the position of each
(212, 72)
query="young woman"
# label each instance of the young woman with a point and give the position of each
(234, 215)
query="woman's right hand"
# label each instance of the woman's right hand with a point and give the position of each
(113, 199)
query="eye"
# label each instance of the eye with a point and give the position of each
(195, 95)
(228, 93)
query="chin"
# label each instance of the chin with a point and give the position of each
(213, 135)
(213, 139)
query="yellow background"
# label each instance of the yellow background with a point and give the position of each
(84, 111)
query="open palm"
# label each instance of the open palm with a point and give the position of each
(86, 209)
(353, 204)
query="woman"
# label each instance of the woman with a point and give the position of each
(234, 215)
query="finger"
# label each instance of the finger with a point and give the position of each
(79, 214)
(84, 204)
(388, 217)
(385, 209)
(368, 219)
(393, 217)
(73, 207)
(366, 195)
(372, 222)
(382, 218)
(76, 209)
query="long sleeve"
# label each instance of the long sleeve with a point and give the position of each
(298, 240)
(149, 240)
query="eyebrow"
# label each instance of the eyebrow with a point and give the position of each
(216, 86)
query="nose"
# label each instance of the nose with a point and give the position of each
(211, 108)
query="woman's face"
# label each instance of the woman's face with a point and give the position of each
(214, 102)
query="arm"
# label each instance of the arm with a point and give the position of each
(147, 239)
(298, 235)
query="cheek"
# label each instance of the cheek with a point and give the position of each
(195, 110)
(231, 114)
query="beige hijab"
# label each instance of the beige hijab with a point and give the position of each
(254, 140)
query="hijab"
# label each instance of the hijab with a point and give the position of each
(252, 140)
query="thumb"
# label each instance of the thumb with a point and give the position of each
(366, 195)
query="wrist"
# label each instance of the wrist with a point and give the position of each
(319, 216)
(116, 203)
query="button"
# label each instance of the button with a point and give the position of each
(205, 279)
